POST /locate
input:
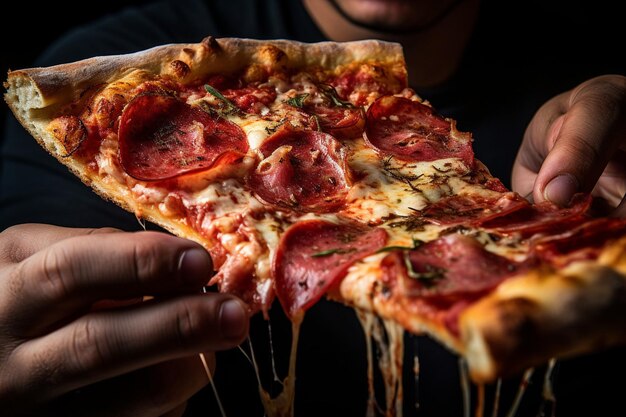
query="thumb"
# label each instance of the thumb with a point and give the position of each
(581, 141)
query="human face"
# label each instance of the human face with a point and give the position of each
(395, 15)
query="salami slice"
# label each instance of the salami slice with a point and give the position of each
(313, 255)
(340, 121)
(472, 209)
(302, 170)
(451, 267)
(162, 137)
(586, 239)
(252, 99)
(544, 217)
(411, 131)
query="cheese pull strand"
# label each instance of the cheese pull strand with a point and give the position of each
(367, 322)
(548, 403)
(212, 383)
(520, 392)
(465, 387)
(496, 398)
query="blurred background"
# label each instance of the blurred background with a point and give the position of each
(35, 25)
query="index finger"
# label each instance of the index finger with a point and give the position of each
(21, 241)
(69, 276)
(586, 138)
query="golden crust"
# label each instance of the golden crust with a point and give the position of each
(65, 83)
(548, 313)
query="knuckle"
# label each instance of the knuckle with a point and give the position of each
(604, 95)
(578, 148)
(104, 230)
(150, 261)
(15, 281)
(56, 275)
(87, 350)
(10, 248)
(189, 320)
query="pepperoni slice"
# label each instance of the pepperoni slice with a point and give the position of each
(341, 122)
(472, 209)
(544, 217)
(251, 99)
(411, 131)
(162, 137)
(302, 170)
(314, 255)
(449, 268)
(586, 239)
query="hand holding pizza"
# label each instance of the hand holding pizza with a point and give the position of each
(65, 346)
(577, 142)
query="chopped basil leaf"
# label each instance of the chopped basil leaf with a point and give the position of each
(330, 92)
(229, 104)
(392, 248)
(297, 101)
(431, 274)
(329, 252)
(416, 244)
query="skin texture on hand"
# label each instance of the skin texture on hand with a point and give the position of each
(66, 349)
(576, 142)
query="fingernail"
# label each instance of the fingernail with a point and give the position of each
(194, 266)
(233, 319)
(561, 190)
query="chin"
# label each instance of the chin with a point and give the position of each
(393, 14)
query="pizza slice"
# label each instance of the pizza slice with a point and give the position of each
(312, 170)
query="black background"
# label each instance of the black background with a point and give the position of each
(28, 28)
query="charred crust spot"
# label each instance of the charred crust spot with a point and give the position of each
(517, 328)
(212, 44)
(179, 68)
(69, 131)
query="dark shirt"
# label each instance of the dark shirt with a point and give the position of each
(509, 70)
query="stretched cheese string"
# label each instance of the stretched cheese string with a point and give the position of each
(282, 404)
(141, 221)
(212, 383)
(520, 392)
(367, 322)
(480, 401)
(252, 360)
(549, 399)
(269, 331)
(205, 364)
(389, 341)
(416, 372)
(395, 334)
(465, 387)
(496, 398)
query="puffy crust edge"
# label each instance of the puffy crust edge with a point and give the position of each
(36, 88)
(546, 313)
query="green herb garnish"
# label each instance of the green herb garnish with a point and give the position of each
(416, 244)
(329, 252)
(297, 101)
(330, 92)
(431, 273)
(230, 107)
